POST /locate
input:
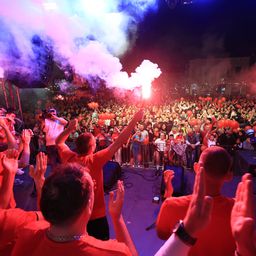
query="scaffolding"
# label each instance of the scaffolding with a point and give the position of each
(10, 97)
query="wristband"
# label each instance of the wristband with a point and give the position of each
(183, 235)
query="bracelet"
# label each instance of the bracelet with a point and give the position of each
(183, 235)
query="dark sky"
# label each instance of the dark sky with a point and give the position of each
(207, 28)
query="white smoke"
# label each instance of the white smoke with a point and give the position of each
(89, 35)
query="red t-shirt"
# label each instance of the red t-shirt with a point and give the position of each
(11, 221)
(215, 239)
(33, 241)
(94, 162)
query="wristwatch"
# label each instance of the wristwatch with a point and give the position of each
(183, 235)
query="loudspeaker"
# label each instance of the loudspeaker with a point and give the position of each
(111, 174)
(178, 181)
(245, 161)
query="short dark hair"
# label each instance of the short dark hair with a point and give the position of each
(216, 161)
(65, 194)
(83, 143)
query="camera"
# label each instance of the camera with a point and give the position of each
(45, 114)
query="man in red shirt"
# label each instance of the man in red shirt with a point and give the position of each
(85, 146)
(11, 221)
(66, 203)
(216, 238)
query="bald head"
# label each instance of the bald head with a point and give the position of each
(216, 162)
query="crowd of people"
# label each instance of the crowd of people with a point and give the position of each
(173, 133)
(201, 134)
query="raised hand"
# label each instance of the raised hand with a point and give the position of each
(10, 161)
(115, 205)
(38, 172)
(168, 177)
(73, 125)
(243, 218)
(199, 212)
(26, 136)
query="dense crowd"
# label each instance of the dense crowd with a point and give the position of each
(201, 134)
(173, 133)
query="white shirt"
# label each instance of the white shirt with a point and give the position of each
(173, 246)
(161, 144)
(144, 135)
(211, 143)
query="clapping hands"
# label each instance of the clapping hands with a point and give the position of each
(168, 177)
(10, 161)
(26, 136)
(243, 218)
(116, 204)
(38, 172)
(73, 125)
(199, 212)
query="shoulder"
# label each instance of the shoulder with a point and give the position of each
(9, 216)
(177, 202)
(34, 230)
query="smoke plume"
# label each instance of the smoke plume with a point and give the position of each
(89, 35)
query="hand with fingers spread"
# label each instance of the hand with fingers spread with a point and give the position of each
(10, 161)
(38, 172)
(26, 136)
(73, 125)
(116, 204)
(199, 212)
(168, 177)
(243, 218)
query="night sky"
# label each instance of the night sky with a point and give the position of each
(207, 28)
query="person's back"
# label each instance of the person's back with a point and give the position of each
(66, 204)
(42, 245)
(217, 238)
(84, 155)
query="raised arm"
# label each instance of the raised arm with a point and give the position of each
(37, 173)
(60, 120)
(115, 208)
(168, 177)
(10, 166)
(243, 218)
(198, 217)
(126, 132)
(25, 155)
(61, 139)
(10, 138)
